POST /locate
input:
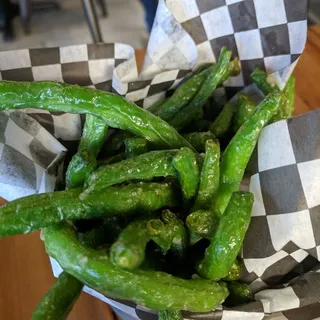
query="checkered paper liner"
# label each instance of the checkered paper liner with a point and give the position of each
(267, 34)
(186, 34)
(29, 164)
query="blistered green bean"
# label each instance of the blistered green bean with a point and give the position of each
(209, 176)
(218, 74)
(237, 154)
(116, 111)
(128, 252)
(66, 205)
(239, 293)
(155, 290)
(198, 139)
(59, 300)
(185, 163)
(135, 147)
(222, 123)
(84, 161)
(245, 109)
(144, 166)
(234, 272)
(227, 240)
(203, 223)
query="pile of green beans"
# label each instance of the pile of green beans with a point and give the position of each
(170, 185)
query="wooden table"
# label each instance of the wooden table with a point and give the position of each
(25, 272)
(307, 74)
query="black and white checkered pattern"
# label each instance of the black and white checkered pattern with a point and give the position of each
(29, 163)
(86, 65)
(286, 215)
(267, 34)
(147, 92)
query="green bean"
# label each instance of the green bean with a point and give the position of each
(183, 95)
(222, 123)
(203, 223)
(185, 162)
(169, 235)
(21, 204)
(237, 154)
(66, 205)
(160, 234)
(128, 252)
(290, 91)
(198, 139)
(199, 69)
(209, 176)
(245, 109)
(116, 111)
(28, 204)
(260, 78)
(179, 241)
(170, 315)
(155, 290)
(144, 166)
(287, 103)
(234, 272)
(218, 74)
(84, 161)
(135, 146)
(227, 240)
(59, 300)
(239, 294)
(234, 68)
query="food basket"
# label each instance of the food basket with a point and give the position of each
(281, 249)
